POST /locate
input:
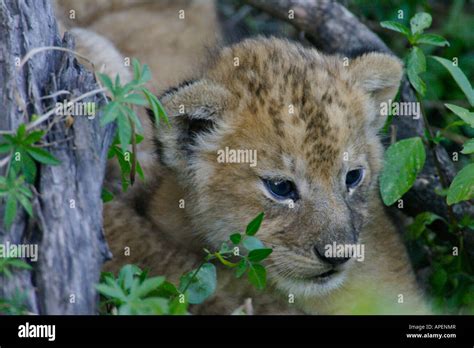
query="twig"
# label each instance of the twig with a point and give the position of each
(50, 96)
(54, 48)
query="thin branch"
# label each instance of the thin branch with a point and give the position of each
(54, 48)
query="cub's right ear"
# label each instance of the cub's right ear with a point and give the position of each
(193, 110)
(379, 75)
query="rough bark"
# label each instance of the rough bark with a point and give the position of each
(333, 29)
(67, 222)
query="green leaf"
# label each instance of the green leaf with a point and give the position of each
(403, 161)
(10, 210)
(133, 117)
(149, 285)
(421, 221)
(146, 74)
(396, 26)
(257, 255)
(25, 202)
(166, 289)
(241, 268)
(42, 156)
(106, 195)
(416, 64)
(21, 132)
(106, 81)
(5, 147)
(33, 137)
(118, 85)
(162, 111)
(254, 225)
(110, 113)
(140, 171)
(462, 187)
(17, 263)
(136, 99)
(459, 77)
(464, 114)
(126, 276)
(432, 39)
(251, 243)
(136, 69)
(124, 131)
(236, 238)
(468, 147)
(257, 276)
(156, 107)
(178, 308)
(151, 306)
(28, 167)
(112, 291)
(420, 22)
(202, 285)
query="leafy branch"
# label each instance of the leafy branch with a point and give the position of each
(133, 293)
(121, 110)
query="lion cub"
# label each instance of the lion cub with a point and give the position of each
(311, 125)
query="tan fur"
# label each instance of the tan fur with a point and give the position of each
(246, 106)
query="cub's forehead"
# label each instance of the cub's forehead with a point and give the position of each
(292, 100)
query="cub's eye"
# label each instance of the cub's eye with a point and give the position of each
(354, 177)
(281, 189)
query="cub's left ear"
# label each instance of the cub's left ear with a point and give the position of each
(379, 75)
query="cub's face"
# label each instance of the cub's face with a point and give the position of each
(275, 128)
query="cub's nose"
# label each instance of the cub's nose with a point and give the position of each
(334, 261)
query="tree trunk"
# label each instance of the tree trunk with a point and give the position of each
(67, 222)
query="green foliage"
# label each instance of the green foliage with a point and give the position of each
(422, 220)
(106, 195)
(21, 147)
(121, 110)
(403, 161)
(254, 225)
(125, 160)
(7, 263)
(24, 153)
(250, 261)
(462, 187)
(14, 190)
(459, 77)
(451, 280)
(133, 293)
(468, 147)
(14, 305)
(416, 64)
(396, 26)
(419, 22)
(199, 284)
